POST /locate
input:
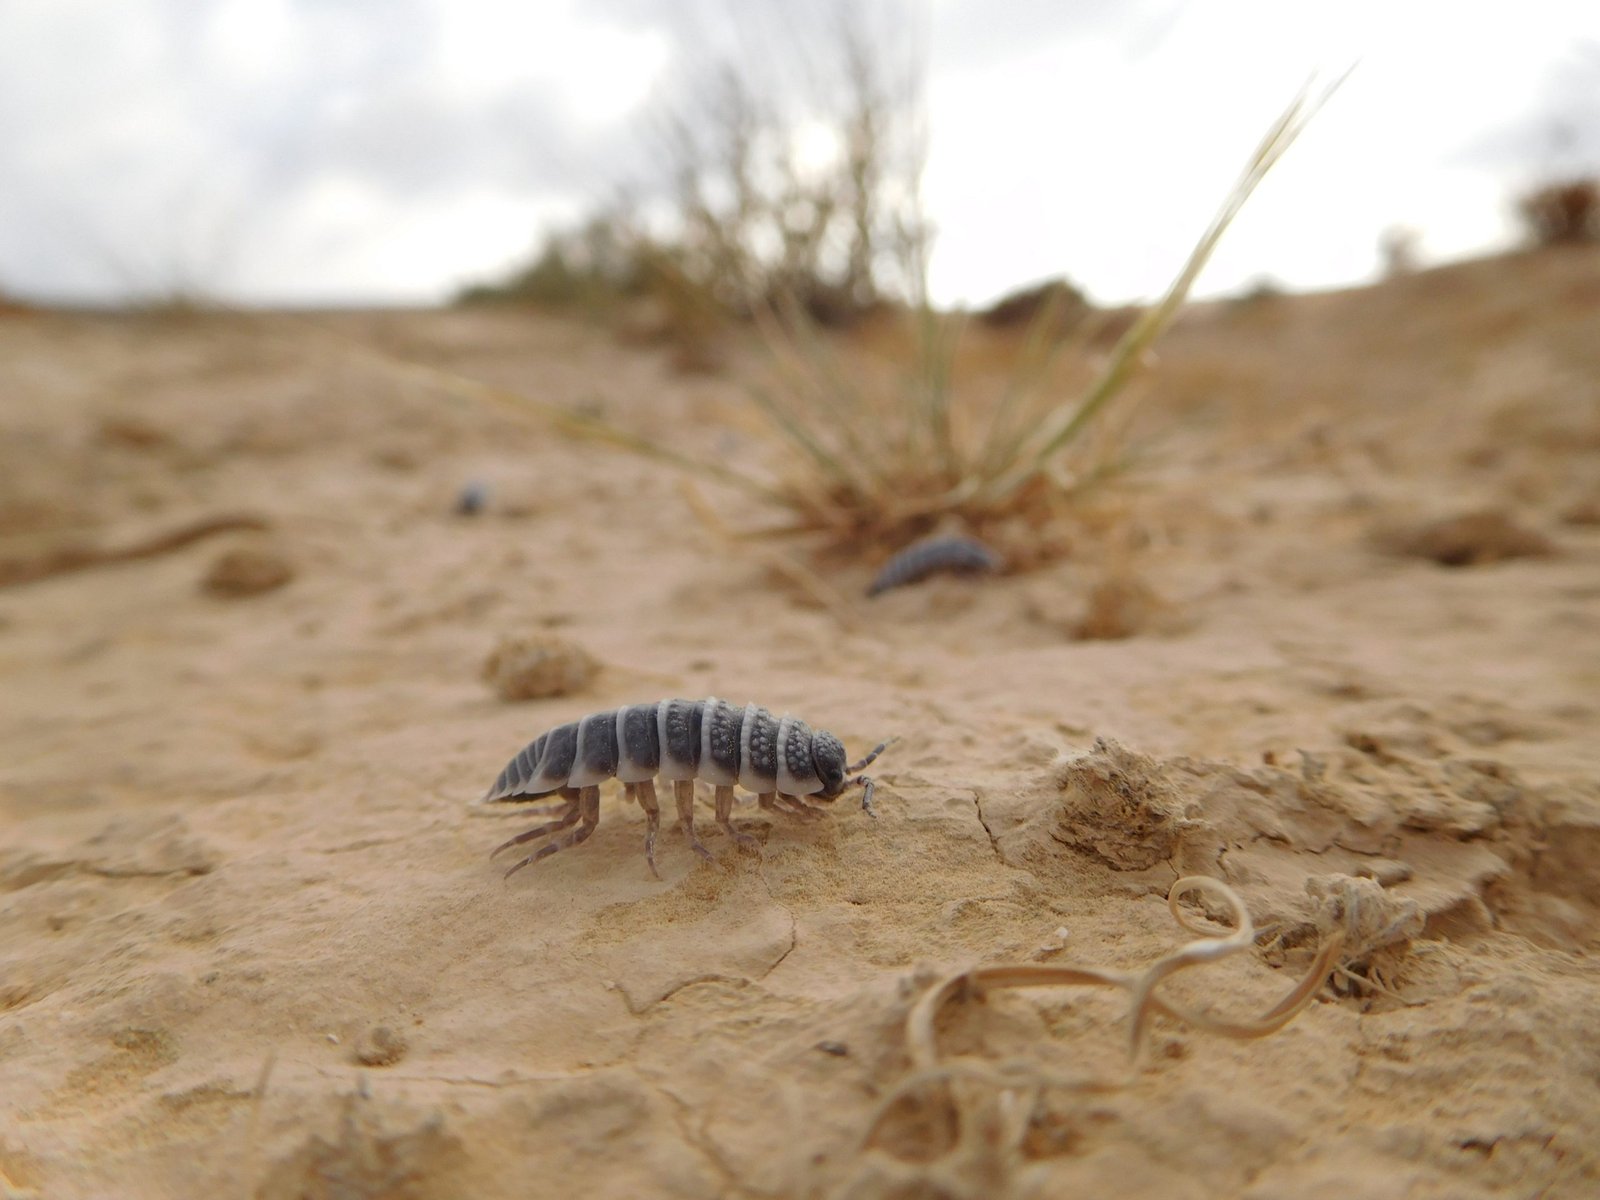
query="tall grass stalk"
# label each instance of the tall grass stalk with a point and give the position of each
(922, 463)
(1068, 424)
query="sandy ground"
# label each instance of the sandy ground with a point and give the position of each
(251, 942)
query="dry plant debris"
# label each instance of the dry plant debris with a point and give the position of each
(1209, 947)
(79, 556)
(922, 1046)
(1120, 806)
(1377, 928)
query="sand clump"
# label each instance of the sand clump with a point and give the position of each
(1118, 605)
(380, 1046)
(1122, 807)
(1471, 843)
(1470, 539)
(1124, 606)
(246, 571)
(538, 666)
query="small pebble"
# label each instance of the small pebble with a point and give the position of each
(472, 499)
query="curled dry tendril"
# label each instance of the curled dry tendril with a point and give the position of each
(1141, 986)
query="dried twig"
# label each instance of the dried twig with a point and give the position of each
(80, 556)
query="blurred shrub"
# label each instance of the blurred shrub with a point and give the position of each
(1562, 213)
(1054, 300)
(1399, 248)
(593, 265)
(812, 207)
(772, 203)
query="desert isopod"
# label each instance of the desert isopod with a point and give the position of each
(781, 759)
(931, 556)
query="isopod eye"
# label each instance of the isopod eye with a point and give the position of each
(827, 755)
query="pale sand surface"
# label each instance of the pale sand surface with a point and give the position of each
(235, 839)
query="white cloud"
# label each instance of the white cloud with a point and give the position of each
(601, 69)
(350, 241)
(252, 43)
(324, 148)
(1107, 169)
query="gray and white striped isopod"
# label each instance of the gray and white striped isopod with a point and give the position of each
(959, 555)
(781, 759)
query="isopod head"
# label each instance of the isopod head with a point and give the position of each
(828, 756)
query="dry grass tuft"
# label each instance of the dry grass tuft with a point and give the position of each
(867, 458)
(764, 194)
(884, 463)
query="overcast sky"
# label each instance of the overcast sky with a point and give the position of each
(390, 150)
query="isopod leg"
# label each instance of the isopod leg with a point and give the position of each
(800, 808)
(589, 814)
(645, 794)
(569, 816)
(725, 819)
(683, 796)
(510, 808)
(791, 805)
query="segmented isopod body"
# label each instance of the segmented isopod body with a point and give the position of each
(781, 759)
(931, 556)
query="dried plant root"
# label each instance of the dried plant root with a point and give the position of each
(922, 1040)
(922, 1043)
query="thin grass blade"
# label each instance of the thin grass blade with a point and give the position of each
(1129, 352)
